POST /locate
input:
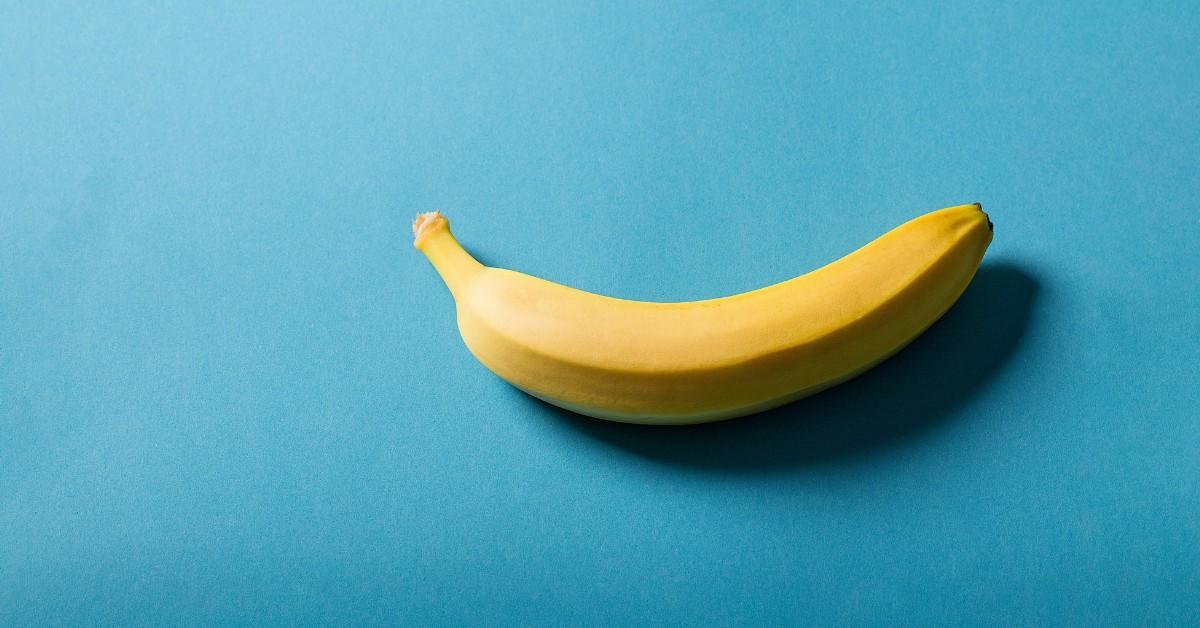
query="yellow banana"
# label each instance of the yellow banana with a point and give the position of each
(698, 361)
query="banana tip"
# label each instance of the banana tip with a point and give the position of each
(426, 222)
(985, 216)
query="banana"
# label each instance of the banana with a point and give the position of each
(692, 362)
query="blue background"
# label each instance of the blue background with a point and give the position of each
(231, 391)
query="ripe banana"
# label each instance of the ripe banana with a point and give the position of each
(676, 363)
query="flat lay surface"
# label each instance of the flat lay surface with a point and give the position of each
(232, 392)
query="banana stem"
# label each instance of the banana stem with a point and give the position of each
(432, 236)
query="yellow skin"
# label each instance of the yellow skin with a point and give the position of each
(698, 361)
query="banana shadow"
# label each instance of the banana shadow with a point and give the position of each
(906, 396)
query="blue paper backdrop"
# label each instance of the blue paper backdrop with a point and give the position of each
(231, 391)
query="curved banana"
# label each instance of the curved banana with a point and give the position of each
(676, 363)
